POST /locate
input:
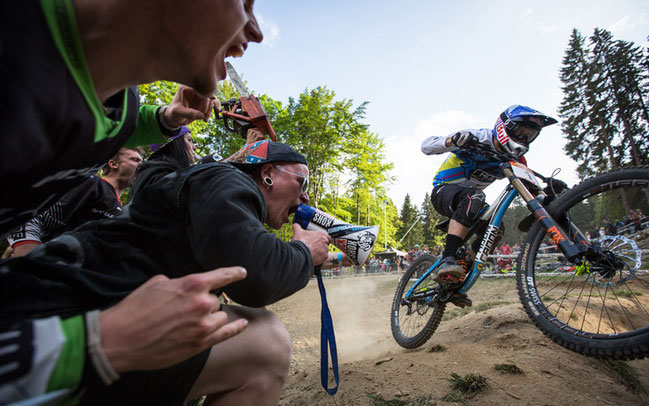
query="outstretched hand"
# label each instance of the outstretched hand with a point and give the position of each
(188, 105)
(317, 242)
(166, 321)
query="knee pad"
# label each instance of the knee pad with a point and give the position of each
(471, 205)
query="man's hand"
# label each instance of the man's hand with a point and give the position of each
(253, 136)
(462, 138)
(166, 321)
(317, 241)
(23, 249)
(188, 105)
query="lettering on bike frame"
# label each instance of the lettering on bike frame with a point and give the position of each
(487, 243)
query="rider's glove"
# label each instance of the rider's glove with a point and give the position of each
(555, 186)
(463, 138)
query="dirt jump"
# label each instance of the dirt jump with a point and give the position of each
(493, 340)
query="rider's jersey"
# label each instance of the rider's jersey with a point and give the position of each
(464, 168)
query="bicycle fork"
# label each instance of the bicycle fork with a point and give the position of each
(573, 251)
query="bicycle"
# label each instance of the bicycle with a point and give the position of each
(592, 296)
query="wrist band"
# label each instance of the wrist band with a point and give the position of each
(97, 355)
(340, 259)
(161, 118)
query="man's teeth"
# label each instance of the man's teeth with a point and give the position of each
(236, 51)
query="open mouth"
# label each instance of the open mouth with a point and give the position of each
(236, 51)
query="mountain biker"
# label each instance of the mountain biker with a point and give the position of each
(459, 182)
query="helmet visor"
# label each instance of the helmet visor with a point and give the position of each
(524, 133)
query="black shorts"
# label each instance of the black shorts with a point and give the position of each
(446, 198)
(168, 386)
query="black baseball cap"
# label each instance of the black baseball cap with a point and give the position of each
(265, 151)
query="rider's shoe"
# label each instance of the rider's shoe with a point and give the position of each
(461, 300)
(448, 271)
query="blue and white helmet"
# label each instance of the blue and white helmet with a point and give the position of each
(518, 126)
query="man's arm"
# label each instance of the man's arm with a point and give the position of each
(55, 219)
(226, 228)
(156, 124)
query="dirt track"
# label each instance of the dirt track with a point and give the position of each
(495, 331)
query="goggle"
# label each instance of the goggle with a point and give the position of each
(524, 132)
(305, 178)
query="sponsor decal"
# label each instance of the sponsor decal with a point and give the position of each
(487, 243)
(322, 220)
(524, 258)
(351, 249)
(556, 234)
(532, 290)
(484, 175)
(365, 241)
(501, 135)
(480, 267)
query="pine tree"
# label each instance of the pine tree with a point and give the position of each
(410, 224)
(430, 218)
(619, 64)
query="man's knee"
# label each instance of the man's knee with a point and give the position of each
(267, 343)
(471, 204)
(277, 342)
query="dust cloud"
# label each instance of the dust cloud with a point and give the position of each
(362, 331)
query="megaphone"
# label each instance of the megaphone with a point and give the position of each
(355, 241)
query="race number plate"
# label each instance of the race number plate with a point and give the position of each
(522, 172)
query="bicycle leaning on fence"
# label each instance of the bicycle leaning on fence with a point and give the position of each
(591, 297)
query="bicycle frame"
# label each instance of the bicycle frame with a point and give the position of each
(495, 214)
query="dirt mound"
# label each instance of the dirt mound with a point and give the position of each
(468, 341)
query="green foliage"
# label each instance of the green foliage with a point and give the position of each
(430, 218)
(437, 348)
(508, 369)
(468, 385)
(626, 375)
(410, 224)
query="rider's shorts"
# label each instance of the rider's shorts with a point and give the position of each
(461, 203)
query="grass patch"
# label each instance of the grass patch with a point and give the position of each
(626, 375)
(508, 369)
(626, 293)
(466, 387)
(400, 400)
(455, 397)
(437, 348)
(457, 312)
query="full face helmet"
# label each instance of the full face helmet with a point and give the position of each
(518, 126)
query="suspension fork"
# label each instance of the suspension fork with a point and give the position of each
(574, 252)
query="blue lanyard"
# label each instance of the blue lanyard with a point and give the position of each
(327, 338)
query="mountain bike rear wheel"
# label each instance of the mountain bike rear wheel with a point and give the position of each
(415, 315)
(600, 307)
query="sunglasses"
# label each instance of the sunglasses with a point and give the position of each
(305, 178)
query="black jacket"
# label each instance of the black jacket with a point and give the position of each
(194, 220)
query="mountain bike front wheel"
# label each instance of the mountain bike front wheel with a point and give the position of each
(600, 307)
(415, 314)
